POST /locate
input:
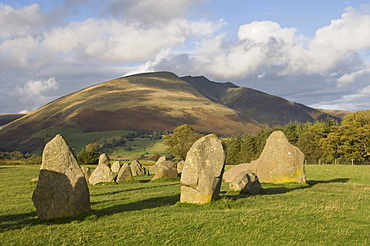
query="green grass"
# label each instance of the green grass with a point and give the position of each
(76, 138)
(332, 209)
(142, 146)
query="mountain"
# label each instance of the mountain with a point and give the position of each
(336, 113)
(154, 101)
(7, 118)
(264, 108)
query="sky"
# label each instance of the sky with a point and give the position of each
(312, 52)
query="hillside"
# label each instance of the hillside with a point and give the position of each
(6, 118)
(153, 101)
(262, 107)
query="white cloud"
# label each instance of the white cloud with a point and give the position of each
(152, 35)
(29, 20)
(354, 76)
(150, 12)
(35, 93)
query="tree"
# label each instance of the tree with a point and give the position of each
(351, 139)
(181, 140)
(234, 150)
(89, 155)
(311, 141)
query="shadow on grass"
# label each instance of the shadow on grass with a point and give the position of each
(273, 189)
(140, 205)
(19, 221)
(136, 189)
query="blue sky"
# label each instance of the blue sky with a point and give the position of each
(312, 52)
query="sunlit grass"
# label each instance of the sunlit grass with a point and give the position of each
(332, 209)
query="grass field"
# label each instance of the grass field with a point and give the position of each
(332, 209)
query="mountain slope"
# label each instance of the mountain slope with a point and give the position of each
(262, 107)
(145, 101)
(154, 101)
(7, 118)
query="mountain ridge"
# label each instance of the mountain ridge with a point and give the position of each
(155, 101)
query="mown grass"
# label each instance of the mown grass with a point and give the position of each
(332, 209)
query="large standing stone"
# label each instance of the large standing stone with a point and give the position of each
(124, 173)
(115, 167)
(102, 172)
(137, 168)
(202, 173)
(160, 164)
(61, 190)
(280, 162)
(246, 182)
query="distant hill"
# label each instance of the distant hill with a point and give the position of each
(6, 118)
(264, 108)
(336, 113)
(155, 101)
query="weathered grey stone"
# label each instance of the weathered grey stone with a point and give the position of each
(61, 190)
(202, 173)
(137, 168)
(102, 172)
(160, 164)
(116, 167)
(86, 172)
(104, 159)
(246, 182)
(165, 172)
(124, 173)
(280, 162)
(230, 174)
(180, 166)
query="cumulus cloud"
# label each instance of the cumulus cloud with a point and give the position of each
(149, 12)
(29, 20)
(34, 94)
(136, 36)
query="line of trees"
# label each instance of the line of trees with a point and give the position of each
(322, 141)
(17, 157)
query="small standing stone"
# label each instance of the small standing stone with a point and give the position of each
(86, 172)
(202, 173)
(160, 164)
(102, 172)
(104, 159)
(61, 190)
(180, 166)
(116, 167)
(137, 168)
(164, 172)
(124, 173)
(246, 182)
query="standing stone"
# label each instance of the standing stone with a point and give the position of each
(160, 164)
(116, 167)
(165, 172)
(86, 172)
(102, 172)
(180, 166)
(124, 173)
(202, 173)
(104, 159)
(246, 182)
(137, 168)
(280, 162)
(61, 190)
